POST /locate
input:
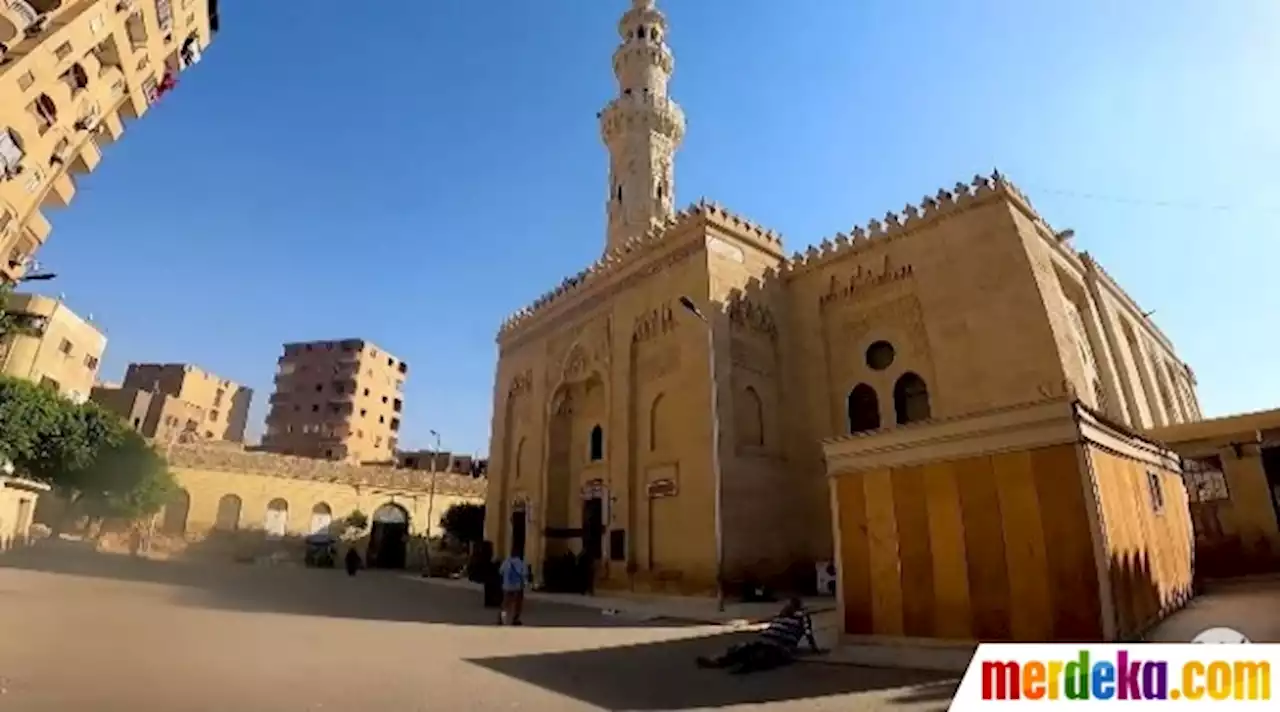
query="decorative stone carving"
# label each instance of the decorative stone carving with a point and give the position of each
(653, 323)
(521, 383)
(901, 315)
(576, 366)
(863, 279)
(747, 314)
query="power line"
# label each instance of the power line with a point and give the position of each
(1154, 203)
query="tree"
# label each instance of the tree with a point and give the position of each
(352, 526)
(86, 454)
(464, 522)
(127, 479)
(45, 435)
(9, 321)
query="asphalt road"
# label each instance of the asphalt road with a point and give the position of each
(101, 633)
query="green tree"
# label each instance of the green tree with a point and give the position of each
(44, 434)
(127, 479)
(86, 454)
(464, 522)
(9, 321)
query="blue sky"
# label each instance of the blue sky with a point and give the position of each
(411, 175)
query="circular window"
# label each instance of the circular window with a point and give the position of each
(880, 355)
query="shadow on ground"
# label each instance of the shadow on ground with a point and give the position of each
(291, 589)
(662, 676)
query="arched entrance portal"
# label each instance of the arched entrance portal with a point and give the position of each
(519, 525)
(388, 537)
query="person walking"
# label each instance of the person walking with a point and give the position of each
(353, 561)
(514, 573)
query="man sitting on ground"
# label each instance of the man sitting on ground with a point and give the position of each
(777, 644)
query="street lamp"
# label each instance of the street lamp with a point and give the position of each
(431, 496)
(692, 308)
(39, 277)
(431, 506)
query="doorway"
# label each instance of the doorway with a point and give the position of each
(519, 521)
(388, 537)
(1271, 468)
(593, 528)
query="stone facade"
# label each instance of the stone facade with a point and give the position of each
(963, 302)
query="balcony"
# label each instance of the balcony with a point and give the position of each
(11, 155)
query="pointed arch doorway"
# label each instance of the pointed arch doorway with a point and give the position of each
(388, 537)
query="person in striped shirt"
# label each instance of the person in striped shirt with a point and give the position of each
(776, 645)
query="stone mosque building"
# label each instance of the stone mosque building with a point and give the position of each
(602, 435)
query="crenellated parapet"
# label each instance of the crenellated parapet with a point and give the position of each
(636, 249)
(929, 210)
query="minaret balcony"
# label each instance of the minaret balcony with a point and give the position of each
(640, 112)
(653, 53)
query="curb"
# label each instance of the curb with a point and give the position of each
(644, 612)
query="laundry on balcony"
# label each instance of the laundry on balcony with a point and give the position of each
(189, 55)
(166, 84)
(11, 155)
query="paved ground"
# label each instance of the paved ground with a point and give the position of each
(104, 633)
(1249, 606)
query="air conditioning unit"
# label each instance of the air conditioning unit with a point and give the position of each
(826, 571)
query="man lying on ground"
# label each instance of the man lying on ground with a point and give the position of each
(776, 645)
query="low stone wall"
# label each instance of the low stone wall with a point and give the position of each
(233, 458)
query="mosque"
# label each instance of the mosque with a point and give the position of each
(664, 411)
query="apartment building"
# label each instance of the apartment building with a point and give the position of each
(337, 400)
(222, 405)
(443, 461)
(53, 346)
(71, 75)
(159, 416)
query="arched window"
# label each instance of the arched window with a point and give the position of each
(864, 409)
(175, 513)
(655, 423)
(597, 444)
(911, 399)
(277, 520)
(750, 418)
(321, 518)
(618, 192)
(228, 518)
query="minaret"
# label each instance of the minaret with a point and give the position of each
(641, 127)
